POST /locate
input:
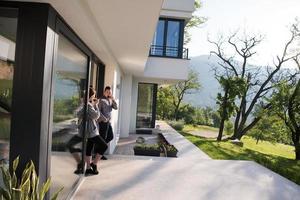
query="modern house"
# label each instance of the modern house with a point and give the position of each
(51, 51)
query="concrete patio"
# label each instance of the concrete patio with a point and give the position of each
(193, 175)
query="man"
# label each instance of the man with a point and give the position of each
(106, 104)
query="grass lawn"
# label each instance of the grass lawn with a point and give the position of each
(190, 127)
(277, 157)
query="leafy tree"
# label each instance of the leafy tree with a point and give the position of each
(232, 87)
(182, 88)
(286, 104)
(258, 84)
(195, 21)
(187, 113)
(270, 128)
(164, 108)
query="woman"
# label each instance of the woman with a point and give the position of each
(92, 131)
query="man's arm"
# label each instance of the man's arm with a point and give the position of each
(114, 104)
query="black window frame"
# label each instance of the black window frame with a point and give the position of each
(180, 50)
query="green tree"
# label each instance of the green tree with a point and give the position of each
(270, 128)
(189, 86)
(195, 21)
(164, 108)
(232, 87)
(187, 113)
(258, 83)
(286, 105)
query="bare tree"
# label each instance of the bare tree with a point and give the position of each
(258, 84)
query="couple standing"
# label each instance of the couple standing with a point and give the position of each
(98, 130)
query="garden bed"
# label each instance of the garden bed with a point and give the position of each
(163, 147)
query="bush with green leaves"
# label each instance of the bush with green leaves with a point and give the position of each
(171, 148)
(147, 147)
(27, 188)
(177, 125)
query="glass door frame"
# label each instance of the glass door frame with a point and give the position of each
(154, 99)
(32, 98)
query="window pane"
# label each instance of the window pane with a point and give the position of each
(158, 39)
(173, 38)
(70, 79)
(8, 31)
(144, 105)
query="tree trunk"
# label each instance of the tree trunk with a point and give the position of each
(297, 151)
(296, 141)
(219, 138)
(224, 113)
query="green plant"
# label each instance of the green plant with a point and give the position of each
(171, 148)
(177, 125)
(147, 147)
(28, 188)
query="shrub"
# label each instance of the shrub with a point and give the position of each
(177, 125)
(147, 147)
(171, 148)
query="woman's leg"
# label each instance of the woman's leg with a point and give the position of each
(99, 148)
(88, 154)
(75, 151)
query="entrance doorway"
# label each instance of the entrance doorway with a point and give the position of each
(146, 105)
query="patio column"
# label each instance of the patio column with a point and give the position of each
(125, 110)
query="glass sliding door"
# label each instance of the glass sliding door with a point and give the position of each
(70, 72)
(146, 105)
(8, 31)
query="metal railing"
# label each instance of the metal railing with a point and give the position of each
(168, 51)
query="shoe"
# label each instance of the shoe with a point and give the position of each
(103, 158)
(90, 171)
(94, 167)
(79, 169)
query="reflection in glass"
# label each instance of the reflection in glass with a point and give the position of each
(158, 39)
(8, 30)
(70, 82)
(173, 38)
(145, 105)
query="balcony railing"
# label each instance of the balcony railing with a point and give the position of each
(169, 52)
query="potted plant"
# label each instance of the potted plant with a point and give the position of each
(147, 150)
(171, 151)
(27, 188)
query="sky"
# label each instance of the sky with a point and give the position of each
(270, 18)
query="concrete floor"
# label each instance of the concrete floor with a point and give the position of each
(193, 175)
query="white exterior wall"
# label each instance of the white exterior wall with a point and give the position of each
(134, 98)
(167, 68)
(125, 109)
(178, 8)
(113, 79)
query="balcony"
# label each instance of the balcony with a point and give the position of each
(169, 52)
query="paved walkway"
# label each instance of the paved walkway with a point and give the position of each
(193, 175)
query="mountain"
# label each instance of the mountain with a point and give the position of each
(206, 96)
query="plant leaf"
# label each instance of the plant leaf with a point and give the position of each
(14, 180)
(16, 193)
(6, 178)
(25, 188)
(15, 164)
(44, 189)
(54, 197)
(5, 194)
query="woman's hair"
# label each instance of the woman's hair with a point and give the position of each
(92, 92)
